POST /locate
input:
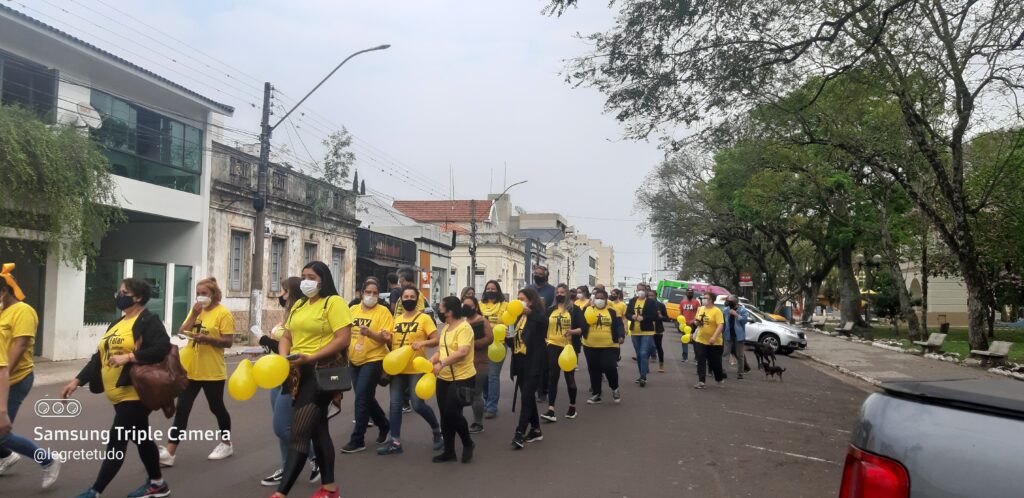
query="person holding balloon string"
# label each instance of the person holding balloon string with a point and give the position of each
(483, 338)
(210, 328)
(565, 321)
(492, 306)
(529, 361)
(453, 367)
(372, 322)
(417, 331)
(317, 333)
(601, 339)
(618, 304)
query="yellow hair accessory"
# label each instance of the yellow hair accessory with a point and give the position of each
(13, 284)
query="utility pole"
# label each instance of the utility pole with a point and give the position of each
(259, 202)
(472, 244)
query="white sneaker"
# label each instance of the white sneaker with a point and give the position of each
(616, 397)
(166, 458)
(51, 473)
(221, 452)
(7, 463)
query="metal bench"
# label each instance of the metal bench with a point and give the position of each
(933, 344)
(996, 354)
(818, 322)
(845, 329)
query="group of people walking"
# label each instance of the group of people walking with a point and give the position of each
(322, 334)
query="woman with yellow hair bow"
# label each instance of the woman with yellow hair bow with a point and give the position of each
(18, 324)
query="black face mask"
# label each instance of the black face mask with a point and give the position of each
(468, 310)
(540, 279)
(282, 301)
(490, 296)
(559, 299)
(409, 304)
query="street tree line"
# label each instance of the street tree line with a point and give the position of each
(827, 127)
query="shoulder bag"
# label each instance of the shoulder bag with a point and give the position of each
(158, 384)
(463, 394)
(331, 375)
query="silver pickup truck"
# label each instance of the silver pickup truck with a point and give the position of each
(962, 438)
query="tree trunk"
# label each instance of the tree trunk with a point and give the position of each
(892, 256)
(849, 291)
(810, 301)
(976, 308)
(924, 284)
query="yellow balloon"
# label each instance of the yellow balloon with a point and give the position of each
(508, 318)
(500, 331)
(397, 360)
(241, 385)
(515, 307)
(422, 365)
(685, 339)
(496, 352)
(426, 386)
(567, 358)
(185, 356)
(270, 371)
(681, 319)
(590, 315)
(688, 330)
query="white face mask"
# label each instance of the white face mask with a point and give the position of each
(309, 287)
(369, 301)
(203, 300)
(600, 303)
(526, 304)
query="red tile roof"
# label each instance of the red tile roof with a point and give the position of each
(456, 211)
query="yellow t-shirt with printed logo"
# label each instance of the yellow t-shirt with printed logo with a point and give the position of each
(18, 320)
(363, 349)
(559, 322)
(600, 333)
(451, 341)
(712, 318)
(312, 325)
(118, 340)
(634, 326)
(207, 361)
(492, 311)
(409, 330)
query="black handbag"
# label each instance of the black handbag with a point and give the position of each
(463, 394)
(334, 375)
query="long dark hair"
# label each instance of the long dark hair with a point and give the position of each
(291, 284)
(536, 305)
(452, 305)
(501, 295)
(327, 287)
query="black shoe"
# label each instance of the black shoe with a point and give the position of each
(571, 413)
(382, 436)
(518, 442)
(314, 472)
(467, 453)
(739, 376)
(549, 416)
(476, 428)
(444, 457)
(273, 479)
(353, 448)
(534, 435)
(594, 400)
(643, 382)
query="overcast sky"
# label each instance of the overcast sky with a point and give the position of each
(467, 86)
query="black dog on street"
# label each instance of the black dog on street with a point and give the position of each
(764, 354)
(772, 370)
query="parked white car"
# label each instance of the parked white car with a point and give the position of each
(781, 336)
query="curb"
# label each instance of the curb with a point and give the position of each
(841, 369)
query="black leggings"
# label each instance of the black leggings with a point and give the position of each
(708, 356)
(602, 361)
(452, 420)
(553, 373)
(309, 421)
(659, 348)
(214, 391)
(128, 416)
(528, 415)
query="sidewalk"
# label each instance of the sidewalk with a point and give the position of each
(876, 365)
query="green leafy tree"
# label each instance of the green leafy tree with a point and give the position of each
(338, 158)
(57, 186)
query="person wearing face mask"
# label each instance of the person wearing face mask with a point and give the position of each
(491, 307)
(529, 361)
(618, 305)
(210, 328)
(416, 329)
(600, 346)
(707, 341)
(453, 366)
(545, 290)
(18, 324)
(659, 329)
(483, 336)
(642, 314)
(564, 321)
(108, 371)
(688, 308)
(736, 333)
(371, 322)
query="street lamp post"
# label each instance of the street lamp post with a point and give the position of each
(472, 234)
(260, 198)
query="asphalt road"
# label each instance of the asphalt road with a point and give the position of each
(752, 437)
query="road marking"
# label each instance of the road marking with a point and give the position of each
(797, 455)
(773, 419)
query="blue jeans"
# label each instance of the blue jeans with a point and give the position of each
(493, 387)
(643, 344)
(400, 384)
(686, 351)
(281, 420)
(364, 385)
(13, 442)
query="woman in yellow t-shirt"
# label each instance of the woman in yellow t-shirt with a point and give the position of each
(491, 307)
(707, 342)
(416, 329)
(317, 333)
(210, 328)
(138, 337)
(565, 321)
(453, 366)
(371, 322)
(601, 347)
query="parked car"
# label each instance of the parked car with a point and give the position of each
(938, 439)
(782, 337)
